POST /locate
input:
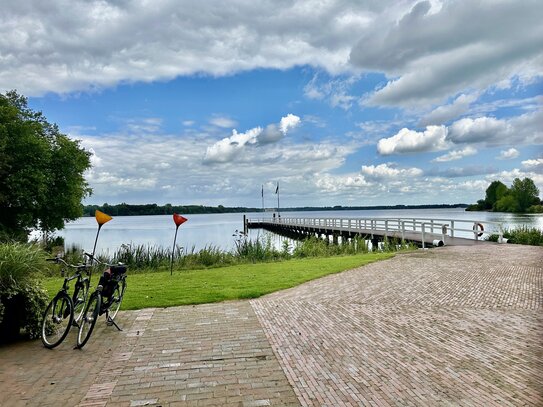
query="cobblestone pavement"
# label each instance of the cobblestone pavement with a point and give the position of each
(447, 326)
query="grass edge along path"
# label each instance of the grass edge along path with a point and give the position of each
(159, 289)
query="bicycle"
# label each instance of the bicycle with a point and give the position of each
(64, 311)
(106, 299)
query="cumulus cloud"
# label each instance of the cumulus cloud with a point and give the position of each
(456, 154)
(228, 148)
(485, 131)
(432, 54)
(535, 164)
(410, 141)
(508, 154)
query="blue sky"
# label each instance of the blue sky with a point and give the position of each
(342, 102)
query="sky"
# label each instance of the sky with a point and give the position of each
(353, 103)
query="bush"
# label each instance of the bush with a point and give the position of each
(521, 235)
(22, 300)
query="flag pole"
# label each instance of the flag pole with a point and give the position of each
(262, 198)
(96, 241)
(178, 220)
(173, 249)
(278, 212)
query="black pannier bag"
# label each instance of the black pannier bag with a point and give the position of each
(110, 279)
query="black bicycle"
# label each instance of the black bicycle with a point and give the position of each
(106, 299)
(64, 310)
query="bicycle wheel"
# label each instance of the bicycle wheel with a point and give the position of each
(81, 293)
(57, 320)
(90, 315)
(117, 299)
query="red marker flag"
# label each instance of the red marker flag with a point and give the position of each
(178, 219)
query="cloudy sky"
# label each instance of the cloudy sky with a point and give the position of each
(366, 102)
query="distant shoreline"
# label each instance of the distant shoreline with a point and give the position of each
(154, 209)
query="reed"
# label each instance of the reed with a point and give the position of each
(246, 250)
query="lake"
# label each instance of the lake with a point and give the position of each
(217, 229)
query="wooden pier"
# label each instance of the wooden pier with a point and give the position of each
(420, 231)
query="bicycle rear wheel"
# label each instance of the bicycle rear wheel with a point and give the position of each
(88, 320)
(57, 320)
(81, 293)
(117, 299)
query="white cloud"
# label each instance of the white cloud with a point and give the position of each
(535, 164)
(288, 122)
(228, 148)
(456, 154)
(508, 154)
(410, 141)
(383, 171)
(223, 122)
(480, 129)
(433, 54)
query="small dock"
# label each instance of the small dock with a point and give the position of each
(423, 232)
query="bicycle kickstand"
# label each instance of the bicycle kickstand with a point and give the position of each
(110, 321)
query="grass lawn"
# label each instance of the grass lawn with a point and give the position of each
(159, 289)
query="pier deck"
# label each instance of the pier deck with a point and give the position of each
(421, 231)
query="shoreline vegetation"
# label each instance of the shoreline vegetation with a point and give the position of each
(521, 197)
(124, 209)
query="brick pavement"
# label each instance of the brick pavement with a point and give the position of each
(448, 326)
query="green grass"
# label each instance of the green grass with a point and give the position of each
(159, 289)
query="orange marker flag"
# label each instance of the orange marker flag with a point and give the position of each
(101, 217)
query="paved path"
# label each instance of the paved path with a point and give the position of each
(447, 326)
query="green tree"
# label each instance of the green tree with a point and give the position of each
(508, 203)
(495, 191)
(525, 193)
(41, 171)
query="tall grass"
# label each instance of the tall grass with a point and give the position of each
(19, 264)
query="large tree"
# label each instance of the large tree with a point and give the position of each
(495, 191)
(41, 171)
(525, 193)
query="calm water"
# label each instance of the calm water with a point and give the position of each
(217, 229)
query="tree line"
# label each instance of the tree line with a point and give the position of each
(125, 209)
(521, 197)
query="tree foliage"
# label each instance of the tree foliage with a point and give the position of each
(523, 196)
(41, 171)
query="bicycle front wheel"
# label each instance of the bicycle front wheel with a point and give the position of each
(88, 320)
(57, 320)
(117, 299)
(81, 293)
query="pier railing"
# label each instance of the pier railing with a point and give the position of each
(395, 227)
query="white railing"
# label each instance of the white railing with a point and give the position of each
(397, 226)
